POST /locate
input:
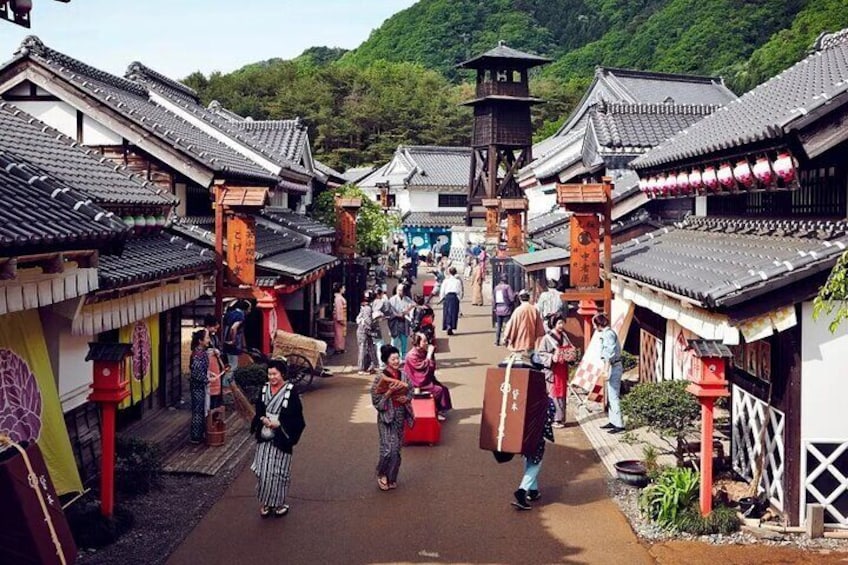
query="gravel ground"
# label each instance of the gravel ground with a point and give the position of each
(164, 517)
(627, 499)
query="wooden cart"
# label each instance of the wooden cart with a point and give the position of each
(304, 357)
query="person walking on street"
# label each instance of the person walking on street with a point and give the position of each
(380, 274)
(234, 341)
(524, 327)
(339, 318)
(277, 427)
(503, 300)
(477, 278)
(611, 356)
(450, 295)
(556, 352)
(365, 330)
(528, 490)
(391, 395)
(381, 309)
(199, 384)
(549, 303)
(400, 306)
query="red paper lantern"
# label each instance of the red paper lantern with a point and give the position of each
(643, 185)
(725, 176)
(683, 183)
(762, 171)
(709, 178)
(652, 186)
(784, 167)
(671, 183)
(743, 174)
(695, 181)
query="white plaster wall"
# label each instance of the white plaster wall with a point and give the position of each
(824, 379)
(75, 373)
(420, 201)
(56, 114)
(402, 201)
(539, 203)
(95, 133)
(700, 205)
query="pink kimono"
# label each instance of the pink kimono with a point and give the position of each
(340, 322)
(421, 373)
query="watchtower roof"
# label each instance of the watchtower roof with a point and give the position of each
(504, 55)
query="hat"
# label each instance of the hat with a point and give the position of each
(524, 293)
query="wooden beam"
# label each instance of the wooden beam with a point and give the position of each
(219, 189)
(53, 265)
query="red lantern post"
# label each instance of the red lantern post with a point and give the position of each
(108, 389)
(708, 384)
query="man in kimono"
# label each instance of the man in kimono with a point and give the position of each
(549, 303)
(503, 299)
(525, 327)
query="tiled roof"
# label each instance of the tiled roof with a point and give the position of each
(183, 96)
(640, 126)
(546, 222)
(224, 112)
(329, 171)
(131, 99)
(298, 222)
(502, 51)
(99, 178)
(561, 236)
(440, 166)
(542, 256)
(356, 174)
(297, 263)
(41, 213)
(154, 257)
(764, 113)
(433, 219)
(284, 137)
(719, 262)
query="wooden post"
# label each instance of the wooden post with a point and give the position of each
(706, 494)
(515, 235)
(219, 189)
(493, 220)
(587, 310)
(266, 305)
(607, 182)
(815, 521)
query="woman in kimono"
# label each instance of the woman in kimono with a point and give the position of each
(366, 327)
(198, 384)
(339, 318)
(391, 395)
(477, 283)
(420, 369)
(555, 352)
(277, 426)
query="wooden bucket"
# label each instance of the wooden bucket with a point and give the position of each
(216, 428)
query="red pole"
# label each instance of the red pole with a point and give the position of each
(587, 309)
(107, 461)
(707, 455)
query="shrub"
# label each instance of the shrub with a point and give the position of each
(628, 361)
(667, 409)
(674, 490)
(92, 530)
(722, 520)
(137, 466)
(251, 378)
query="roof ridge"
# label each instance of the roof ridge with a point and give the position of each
(32, 45)
(250, 123)
(606, 107)
(828, 40)
(435, 149)
(137, 70)
(683, 77)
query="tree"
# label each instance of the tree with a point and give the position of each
(373, 225)
(832, 299)
(668, 410)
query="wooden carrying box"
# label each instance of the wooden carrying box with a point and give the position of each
(25, 535)
(515, 404)
(427, 428)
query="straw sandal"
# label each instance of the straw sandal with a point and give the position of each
(383, 483)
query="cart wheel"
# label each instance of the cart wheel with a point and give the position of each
(299, 371)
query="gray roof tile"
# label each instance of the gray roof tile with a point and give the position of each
(297, 263)
(298, 222)
(503, 52)
(439, 166)
(154, 257)
(434, 219)
(131, 99)
(764, 113)
(717, 261)
(105, 182)
(641, 126)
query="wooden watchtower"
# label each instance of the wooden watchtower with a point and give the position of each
(502, 138)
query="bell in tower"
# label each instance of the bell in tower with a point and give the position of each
(501, 140)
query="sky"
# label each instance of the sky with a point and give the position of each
(178, 37)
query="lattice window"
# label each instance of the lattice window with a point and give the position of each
(825, 466)
(650, 357)
(749, 441)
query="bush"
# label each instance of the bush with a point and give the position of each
(92, 530)
(628, 361)
(667, 409)
(137, 466)
(675, 490)
(250, 379)
(722, 520)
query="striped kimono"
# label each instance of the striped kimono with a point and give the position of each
(391, 416)
(198, 390)
(272, 461)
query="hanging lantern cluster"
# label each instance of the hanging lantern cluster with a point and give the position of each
(728, 178)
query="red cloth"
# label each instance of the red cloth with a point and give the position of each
(419, 370)
(560, 371)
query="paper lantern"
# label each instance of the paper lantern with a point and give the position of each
(695, 181)
(709, 178)
(643, 185)
(671, 184)
(652, 186)
(762, 171)
(743, 174)
(130, 221)
(683, 183)
(725, 176)
(784, 167)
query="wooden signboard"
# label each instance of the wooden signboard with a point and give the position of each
(346, 211)
(241, 249)
(585, 271)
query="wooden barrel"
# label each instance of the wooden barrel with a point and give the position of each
(216, 427)
(326, 330)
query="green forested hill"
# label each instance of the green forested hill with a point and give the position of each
(401, 84)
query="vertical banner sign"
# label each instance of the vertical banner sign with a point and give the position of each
(585, 269)
(241, 249)
(347, 230)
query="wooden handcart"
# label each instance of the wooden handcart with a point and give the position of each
(304, 357)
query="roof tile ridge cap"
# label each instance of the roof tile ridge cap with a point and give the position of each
(84, 70)
(137, 68)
